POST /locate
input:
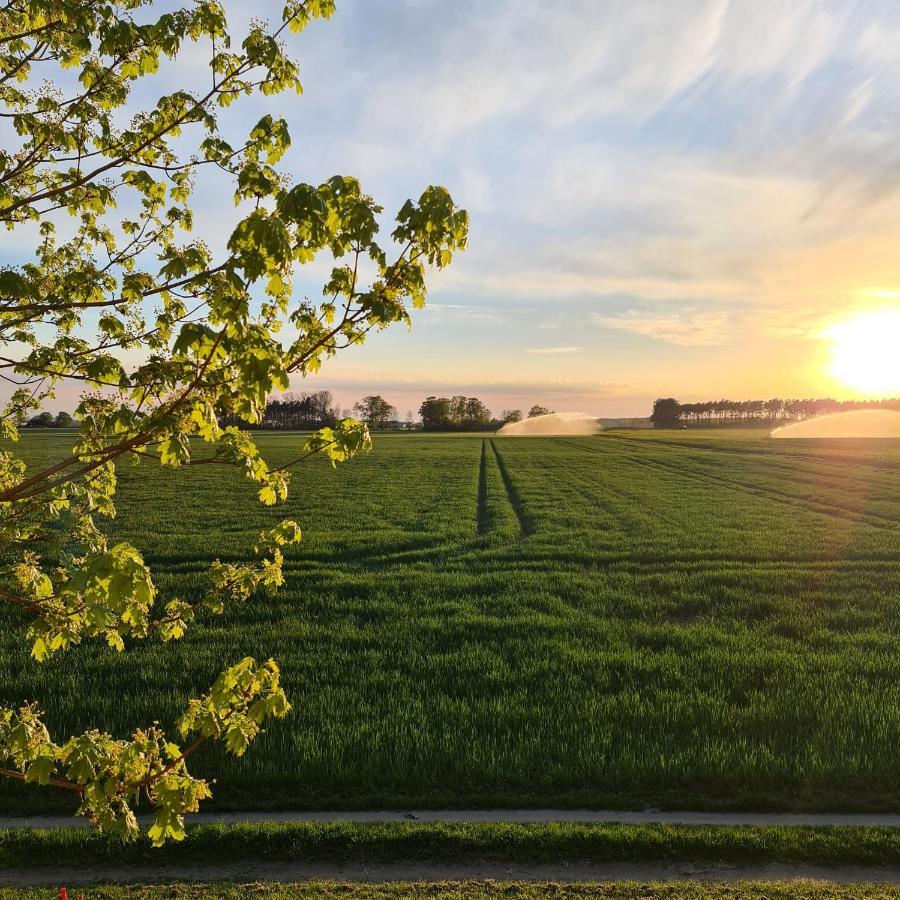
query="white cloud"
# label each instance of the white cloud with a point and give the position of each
(685, 328)
(557, 64)
(692, 327)
(464, 311)
(700, 150)
(553, 350)
(567, 63)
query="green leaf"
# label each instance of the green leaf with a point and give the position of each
(41, 770)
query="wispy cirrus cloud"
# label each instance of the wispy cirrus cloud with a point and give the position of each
(684, 328)
(551, 351)
(711, 327)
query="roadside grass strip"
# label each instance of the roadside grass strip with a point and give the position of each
(344, 842)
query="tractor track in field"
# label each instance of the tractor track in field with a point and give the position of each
(777, 465)
(482, 517)
(779, 455)
(834, 511)
(876, 520)
(526, 527)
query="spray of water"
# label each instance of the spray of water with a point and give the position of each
(552, 424)
(859, 423)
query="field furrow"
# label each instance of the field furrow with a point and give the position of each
(526, 525)
(769, 492)
(844, 482)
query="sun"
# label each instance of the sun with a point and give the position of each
(866, 351)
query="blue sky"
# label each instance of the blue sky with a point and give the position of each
(666, 197)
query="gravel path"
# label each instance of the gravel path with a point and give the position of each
(504, 815)
(249, 870)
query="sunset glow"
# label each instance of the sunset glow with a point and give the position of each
(866, 351)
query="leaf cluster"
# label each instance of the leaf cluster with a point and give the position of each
(109, 186)
(111, 775)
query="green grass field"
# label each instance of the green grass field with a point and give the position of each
(691, 619)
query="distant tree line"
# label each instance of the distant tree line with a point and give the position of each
(669, 413)
(375, 411)
(48, 420)
(455, 414)
(317, 409)
(305, 411)
(461, 413)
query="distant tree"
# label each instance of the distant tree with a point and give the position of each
(409, 418)
(375, 411)
(323, 407)
(306, 411)
(458, 410)
(435, 413)
(538, 410)
(666, 413)
(63, 420)
(457, 413)
(511, 415)
(41, 420)
(475, 415)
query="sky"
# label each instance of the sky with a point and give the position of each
(667, 199)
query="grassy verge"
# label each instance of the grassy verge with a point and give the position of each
(554, 843)
(616, 890)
